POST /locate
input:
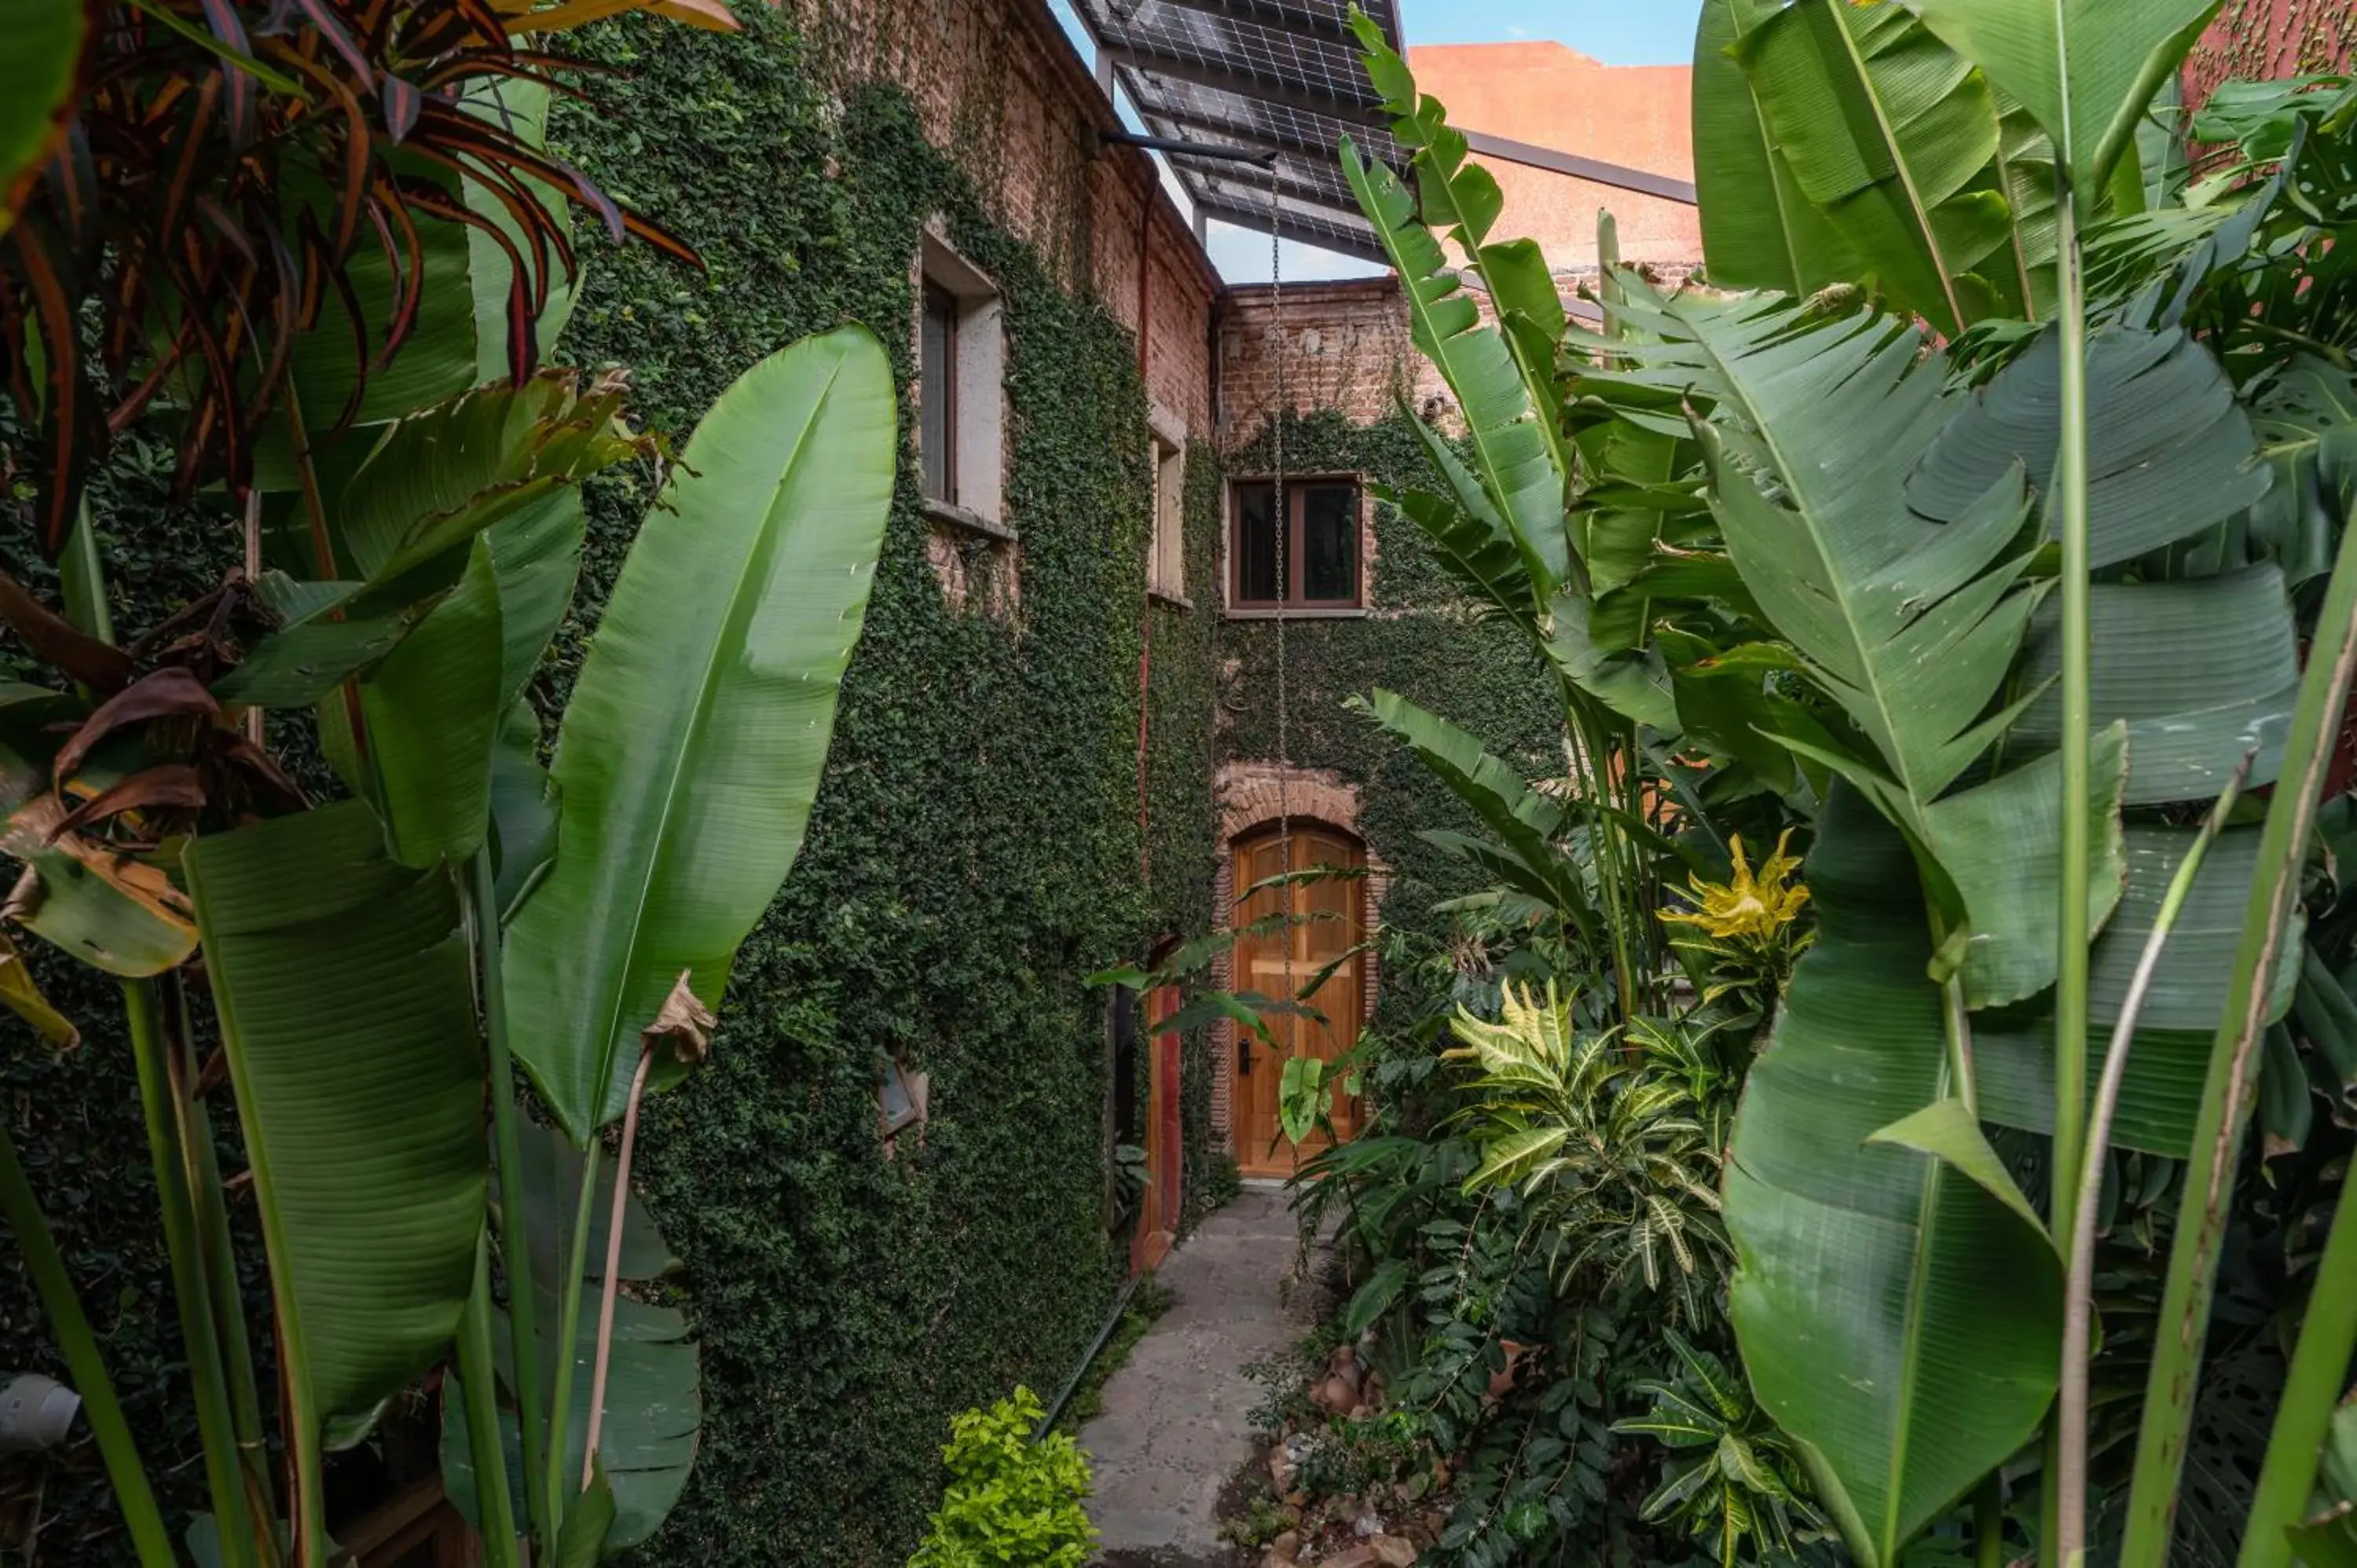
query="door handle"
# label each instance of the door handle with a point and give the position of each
(1244, 1053)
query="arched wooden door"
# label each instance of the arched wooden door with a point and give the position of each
(1278, 962)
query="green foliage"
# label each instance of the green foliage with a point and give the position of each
(1734, 1475)
(1011, 1500)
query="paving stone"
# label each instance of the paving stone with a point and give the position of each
(1176, 1423)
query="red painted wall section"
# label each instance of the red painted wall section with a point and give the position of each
(1554, 96)
(2262, 39)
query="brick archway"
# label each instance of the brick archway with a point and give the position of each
(1253, 796)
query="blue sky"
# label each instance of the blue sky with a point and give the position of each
(1617, 32)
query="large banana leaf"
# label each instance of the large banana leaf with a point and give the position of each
(2083, 69)
(344, 988)
(2013, 1053)
(1758, 230)
(433, 710)
(1937, 1305)
(2201, 672)
(502, 459)
(2169, 452)
(37, 76)
(1892, 135)
(699, 726)
(1908, 625)
(654, 1398)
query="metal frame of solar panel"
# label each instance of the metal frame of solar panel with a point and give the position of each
(1265, 76)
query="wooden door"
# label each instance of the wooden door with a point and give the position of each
(1278, 963)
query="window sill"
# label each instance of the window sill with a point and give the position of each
(1307, 612)
(1164, 597)
(950, 515)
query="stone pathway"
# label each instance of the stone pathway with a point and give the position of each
(1175, 1427)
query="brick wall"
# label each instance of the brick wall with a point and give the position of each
(1346, 347)
(1000, 89)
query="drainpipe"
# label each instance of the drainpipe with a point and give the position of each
(1145, 618)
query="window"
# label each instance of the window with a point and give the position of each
(1166, 567)
(960, 391)
(937, 381)
(1320, 555)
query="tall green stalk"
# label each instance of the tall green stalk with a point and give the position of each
(208, 1207)
(2311, 1390)
(2229, 1084)
(216, 1425)
(515, 1244)
(38, 1248)
(2078, 829)
(575, 1264)
(478, 1380)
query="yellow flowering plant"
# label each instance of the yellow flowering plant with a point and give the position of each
(1747, 932)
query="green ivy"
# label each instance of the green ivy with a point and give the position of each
(973, 853)
(1421, 642)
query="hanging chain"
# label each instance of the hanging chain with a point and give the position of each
(1279, 507)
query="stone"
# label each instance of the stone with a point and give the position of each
(1394, 1551)
(1356, 1557)
(1287, 1547)
(1336, 1395)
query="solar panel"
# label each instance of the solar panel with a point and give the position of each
(1280, 76)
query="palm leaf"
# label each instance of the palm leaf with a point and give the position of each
(1510, 452)
(698, 729)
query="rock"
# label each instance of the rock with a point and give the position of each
(1296, 1499)
(1372, 1390)
(1344, 1364)
(1367, 1526)
(1270, 1558)
(1356, 1557)
(1281, 1468)
(1336, 1394)
(1287, 1547)
(1394, 1551)
(1360, 1412)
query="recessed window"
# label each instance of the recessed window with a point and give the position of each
(900, 1100)
(1166, 567)
(961, 386)
(1317, 567)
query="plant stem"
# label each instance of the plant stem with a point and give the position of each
(2071, 491)
(515, 1240)
(38, 1248)
(216, 1427)
(2311, 1389)
(209, 1210)
(1587, 744)
(2078, 1298)
(479, 1385)
(569, 1329)
(2227, 1088)
(1988, 1521)
(612, 1282)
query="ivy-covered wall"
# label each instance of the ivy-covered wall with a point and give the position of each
(1421, 640)
(975, 852)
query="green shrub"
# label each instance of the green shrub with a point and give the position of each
(1011, 1501)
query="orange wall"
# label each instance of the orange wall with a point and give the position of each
(1553, 96)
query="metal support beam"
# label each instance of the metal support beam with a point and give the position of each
(1259, 138)
(1187, 149)
(1594, 170)
(1223, 185)
(1276, 16)
(1257, 221)
(1139, 57)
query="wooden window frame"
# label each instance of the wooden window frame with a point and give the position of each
(938, 311)
(1297, 490)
